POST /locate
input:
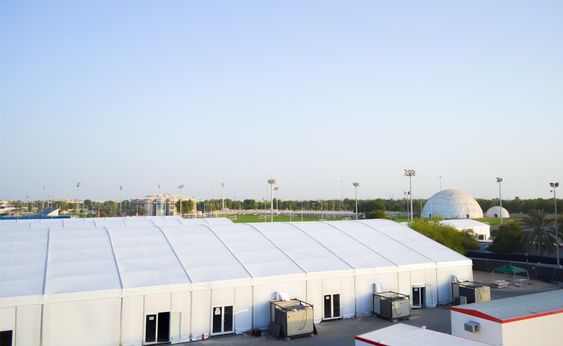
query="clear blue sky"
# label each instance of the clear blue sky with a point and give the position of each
(140, 93)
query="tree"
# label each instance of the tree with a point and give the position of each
(376, 214)
(508, 238)
(540, 237)
(446, 235)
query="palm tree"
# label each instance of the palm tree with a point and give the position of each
(540, 237)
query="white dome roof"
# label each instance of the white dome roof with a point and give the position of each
(495, 212)
(452, 204)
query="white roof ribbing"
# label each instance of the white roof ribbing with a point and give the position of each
(302, 249)
(386, 246)
(416, 241)
(259, 256)
(22, 262)
(354, 253)
(203, 255)
(80, 260)
(145, 258)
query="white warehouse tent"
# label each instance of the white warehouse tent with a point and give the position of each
(133, 281)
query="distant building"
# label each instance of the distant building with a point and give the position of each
(164, 204)
(496, 212)
(452, 204)
(481, 230)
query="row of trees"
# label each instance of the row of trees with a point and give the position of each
(534, 233)
(516, 205)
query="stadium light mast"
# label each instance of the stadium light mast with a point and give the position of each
(222, 196)
(554, 186)
(276, 189)
(271, 181)
(77, 189)
(499, 181)
(356, 184)
(410, 173)
(180, 187)
(120, 200)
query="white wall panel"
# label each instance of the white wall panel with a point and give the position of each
(201, 314)
(243, 309)
(85, 323)
(156, 303)
(347, 297)
(315, 297)
(28, 325)
(8, 318)
(181, 304)
(132, 321)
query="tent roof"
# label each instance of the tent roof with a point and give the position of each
(81, 255)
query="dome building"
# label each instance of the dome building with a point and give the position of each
(452, 204)
(496, 212)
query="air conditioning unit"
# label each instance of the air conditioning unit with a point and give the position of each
(391, 305)
(291, 318)
(468, 292)
(472, 326)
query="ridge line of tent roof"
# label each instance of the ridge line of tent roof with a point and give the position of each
(397, 241)
(111, 245)
(277, 247)
(174, 252)
(46, 261)
(228, 249)
(321, 244)
(361, 242)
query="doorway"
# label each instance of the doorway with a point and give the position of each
(222, 320)
(157, 328)
(6, 338)
(331, 306)
(418, 296)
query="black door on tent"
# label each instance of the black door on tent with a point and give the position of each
(418, 296)
(228, 320)
(6, 338)
(336, 305)
(217, 319)
(150, 328)
(328, 306)
(163, 327)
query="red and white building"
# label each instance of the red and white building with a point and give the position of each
(405, 335)
(534, 319)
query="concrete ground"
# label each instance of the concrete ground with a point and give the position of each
(342, 332)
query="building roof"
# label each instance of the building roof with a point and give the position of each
(47, 257)
(516, 308)
(452, 204)
(404, 335)
(462, 224)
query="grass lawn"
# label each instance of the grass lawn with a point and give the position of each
(280, 218)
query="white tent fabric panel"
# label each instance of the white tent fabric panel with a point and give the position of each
(416, 241)
(145, 258)
(346, 248)
(80, 260)
(203, 255)
(302, 249)
(22, 262)
(259, 256)
(387, 247)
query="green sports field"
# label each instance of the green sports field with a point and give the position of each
(266, 218)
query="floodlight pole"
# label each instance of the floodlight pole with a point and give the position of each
(410, 173)
(499, 181)
(554, 186)
(120, 200)
(356, 184)
(276, 189)
(180, 187)
(271, 181)
(222, 196)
